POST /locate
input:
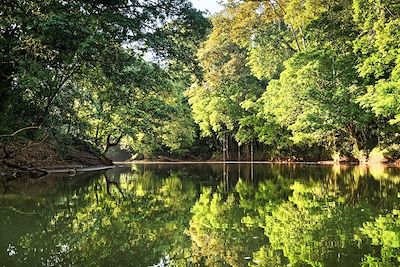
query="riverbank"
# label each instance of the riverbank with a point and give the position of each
(21, 158)
(36, 159)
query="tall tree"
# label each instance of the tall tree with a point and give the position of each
(378, 48)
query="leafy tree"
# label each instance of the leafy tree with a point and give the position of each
(378, 49)
(314, 99)
(82, 68)
(227, 83)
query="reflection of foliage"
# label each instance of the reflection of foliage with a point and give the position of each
(385, 233)
(217, 232)
(315, 229)
(145, 223)
(379, 172)
(262, 200)
(299, 216)
(307, 221)
(266, 257)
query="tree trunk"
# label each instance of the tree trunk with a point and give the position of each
(18, 131)
(239, 152)
(223, 149)
(252, 152)
(111, 144)
(96, 139)
(358, 150)
(227, 147)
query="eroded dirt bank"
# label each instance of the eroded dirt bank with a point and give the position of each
(33, 159)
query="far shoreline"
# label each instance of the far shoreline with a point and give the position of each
(319, 163)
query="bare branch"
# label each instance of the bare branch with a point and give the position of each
(20, 130)
(34, 144)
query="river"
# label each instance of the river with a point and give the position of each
(204, 215)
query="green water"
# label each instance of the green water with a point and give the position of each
(204, 215)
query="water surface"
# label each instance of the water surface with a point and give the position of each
(204, 215)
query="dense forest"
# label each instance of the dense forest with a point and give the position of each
(305, 79)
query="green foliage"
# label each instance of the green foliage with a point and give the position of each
(384, 232)
(326, 85)
(292, 75)
(82, 68)
(378, 49)
(216, 99)
(315, 101)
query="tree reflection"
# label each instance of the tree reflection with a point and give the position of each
(384, 233)
(219, 237)
(113, 223)
(306, 221)
(300, 216)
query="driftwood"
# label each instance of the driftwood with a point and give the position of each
(75, 170)
(71, 170)
(8, 174)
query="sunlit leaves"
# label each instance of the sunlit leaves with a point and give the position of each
(312, 97)
(384, 232)
(379, 48)
(216, 100)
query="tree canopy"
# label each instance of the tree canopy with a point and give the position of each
(290, 76)
(328, 70)
(99, 70)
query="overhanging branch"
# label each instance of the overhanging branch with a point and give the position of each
(18, 131)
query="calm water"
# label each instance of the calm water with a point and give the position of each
(204, 215)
